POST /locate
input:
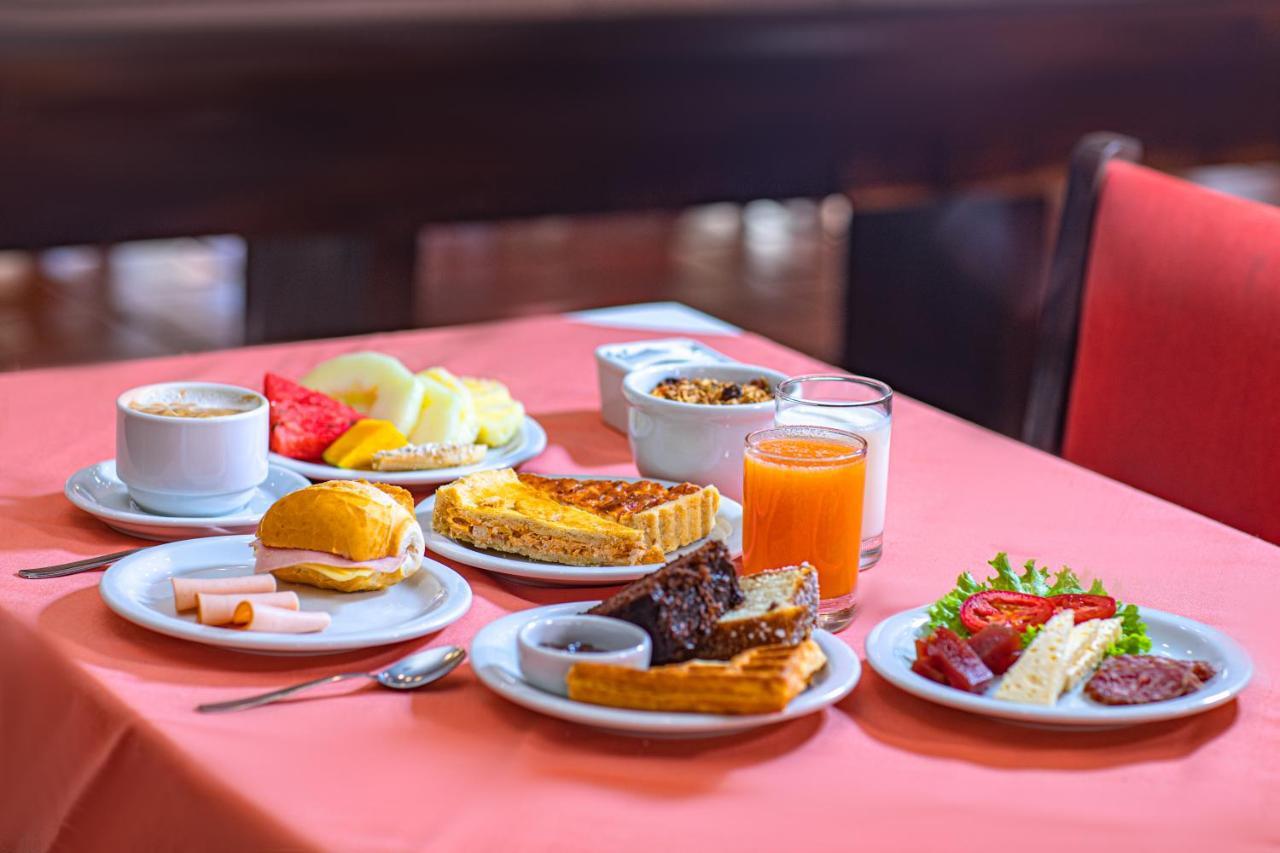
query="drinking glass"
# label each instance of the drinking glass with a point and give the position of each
(802, 489)
(862, 406)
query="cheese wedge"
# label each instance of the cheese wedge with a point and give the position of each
(1038, 676)
(1087, 644)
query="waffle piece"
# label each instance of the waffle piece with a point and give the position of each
(679, 604)
(779, 607)
(429, 456)
(758, 681)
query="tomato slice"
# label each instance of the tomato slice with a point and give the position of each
(1018, 610)
(1086, 607)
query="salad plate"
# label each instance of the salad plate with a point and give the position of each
(138, 588)
(728, 528)
(1038, 648)
(494, 661)
(527, 443)
(98, 491)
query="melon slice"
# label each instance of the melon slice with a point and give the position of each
(372, 383)
(448, 415)
(304, 422)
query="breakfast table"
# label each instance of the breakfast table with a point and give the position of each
(100, 746)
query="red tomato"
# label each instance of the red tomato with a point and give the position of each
(1086, 607)
(1018, 610)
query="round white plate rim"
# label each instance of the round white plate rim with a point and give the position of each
(884, 637)
(533, 440)
(456, 603)
(844, 672)
(146, 519)
(519, 567)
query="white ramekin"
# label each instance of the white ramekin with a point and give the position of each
(700, 444)
(624, 644)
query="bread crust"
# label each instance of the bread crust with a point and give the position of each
(349, 518)
(303, 574)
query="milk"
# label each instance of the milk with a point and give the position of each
(874, 427)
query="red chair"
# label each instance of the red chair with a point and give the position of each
(1159, 360)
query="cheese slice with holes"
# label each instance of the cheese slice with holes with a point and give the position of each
(1037, 677)
(1086, 646)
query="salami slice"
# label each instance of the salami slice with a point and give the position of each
(1139, 679)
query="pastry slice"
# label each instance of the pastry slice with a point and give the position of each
(668, 516)
(779, 607)
(495, 510)
(429, 456)
(758, 681)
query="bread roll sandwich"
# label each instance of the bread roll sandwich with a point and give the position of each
(351, 536)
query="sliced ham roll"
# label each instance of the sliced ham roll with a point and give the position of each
(218, 609)
(186, 589)
(264, 617)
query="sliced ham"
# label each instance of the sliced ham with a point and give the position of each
(186, 589)
(216, 609)
(264, 617)
(270, 559)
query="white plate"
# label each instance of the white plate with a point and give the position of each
(493, 659)
(728, 527)
(98, 491)
(891, 650)
(526, 444)
(138, 589)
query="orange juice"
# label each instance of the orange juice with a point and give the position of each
(802, 497)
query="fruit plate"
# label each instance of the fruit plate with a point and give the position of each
(891, 650)
(528, 443)
(138, 589)
(494, 661)
(728, 528)
(98, 491)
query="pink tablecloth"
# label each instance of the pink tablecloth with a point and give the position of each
(100, 748)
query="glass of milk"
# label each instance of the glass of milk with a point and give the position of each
(862, 406)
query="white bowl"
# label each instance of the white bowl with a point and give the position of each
(693, 442)
(622, 643)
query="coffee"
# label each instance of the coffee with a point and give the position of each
(183, 409)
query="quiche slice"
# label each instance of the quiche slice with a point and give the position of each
(574, 522)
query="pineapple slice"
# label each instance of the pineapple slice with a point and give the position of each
(448, 413)
(373, 384)
(500, 416)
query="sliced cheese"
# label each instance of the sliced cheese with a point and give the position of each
(1037, 677)
(1089, 641)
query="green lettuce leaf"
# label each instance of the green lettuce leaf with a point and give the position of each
(1133, 632)
(1037, 580)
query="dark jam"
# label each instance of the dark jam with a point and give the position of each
(573, 647)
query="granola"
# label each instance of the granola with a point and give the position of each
(713, 392)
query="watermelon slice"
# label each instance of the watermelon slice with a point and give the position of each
(304, 422)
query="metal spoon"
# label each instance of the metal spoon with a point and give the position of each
(407, 674)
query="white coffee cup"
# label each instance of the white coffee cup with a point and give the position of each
(692, 442)
(192, 466)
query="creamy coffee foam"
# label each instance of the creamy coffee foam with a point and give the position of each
(194, 403)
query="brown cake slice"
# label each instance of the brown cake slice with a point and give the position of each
(678, 605)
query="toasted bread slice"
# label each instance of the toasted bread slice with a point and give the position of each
(758, 681)
(779, 607)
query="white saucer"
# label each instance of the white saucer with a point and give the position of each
(891, 650)
(138, 589)
(98, 491)
(728, 528)
(528, 443)
(493, 659)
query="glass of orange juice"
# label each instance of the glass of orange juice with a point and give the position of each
(802, 495)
